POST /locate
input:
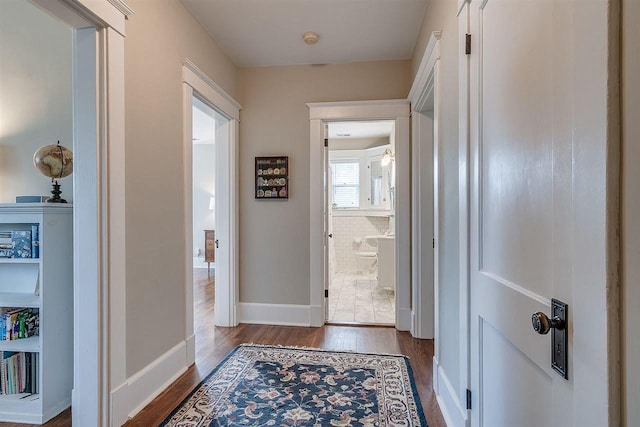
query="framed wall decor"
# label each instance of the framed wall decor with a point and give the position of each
(272, 177)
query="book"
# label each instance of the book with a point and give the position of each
(31, 199)
(19, 323)
(35, 241)
(21, 243)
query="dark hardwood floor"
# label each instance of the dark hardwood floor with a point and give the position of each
(214, 343)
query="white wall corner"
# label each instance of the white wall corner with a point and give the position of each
(450, 405)
(403, 319)
(276, 314)
(141, 388)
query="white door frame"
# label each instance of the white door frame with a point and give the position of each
(196, 82)
(319, 114)
(425, 96)
(99, 203)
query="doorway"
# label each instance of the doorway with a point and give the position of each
(204, 121)
(321, 114)
(217, 196)
(203, 157)
(361, 222)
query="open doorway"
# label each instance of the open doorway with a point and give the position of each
(360, 222)
(203, 160)
(204, 187)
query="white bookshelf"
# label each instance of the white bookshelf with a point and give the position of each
(52, 275)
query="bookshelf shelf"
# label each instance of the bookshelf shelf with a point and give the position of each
(31, 344)
(19, 260)
(15, 406)
(50, 276)
(19, 299)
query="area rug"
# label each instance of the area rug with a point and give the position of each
(283, 386)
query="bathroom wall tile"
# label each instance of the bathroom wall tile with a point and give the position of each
(348, 238)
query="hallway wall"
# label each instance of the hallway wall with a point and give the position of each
(160, 35)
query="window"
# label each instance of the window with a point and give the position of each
(345, 183)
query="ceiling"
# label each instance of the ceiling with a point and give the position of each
(258, 33)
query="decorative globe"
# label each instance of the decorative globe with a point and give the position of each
(54, 161)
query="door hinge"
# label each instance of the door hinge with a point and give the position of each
(467, 44)
(326, 293)
(326, 142)
(434, 243)
(468, 399)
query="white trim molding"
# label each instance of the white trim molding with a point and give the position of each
(278, 314)
(320, 113)
(145, 385)
(197, 83)
(203, 84)
(450, 406)
(425, 97)
(122, 8)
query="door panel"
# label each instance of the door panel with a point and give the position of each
(505, 390)
(521, 143)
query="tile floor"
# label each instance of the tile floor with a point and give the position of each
(355, 298)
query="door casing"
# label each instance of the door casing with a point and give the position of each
(196, 83)
(319, 114)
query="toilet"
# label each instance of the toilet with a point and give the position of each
(366, 261)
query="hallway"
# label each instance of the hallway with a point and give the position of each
(214, 343)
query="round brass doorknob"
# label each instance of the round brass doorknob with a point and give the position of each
(542, 324)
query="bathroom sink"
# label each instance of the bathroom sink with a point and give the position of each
(373, 240)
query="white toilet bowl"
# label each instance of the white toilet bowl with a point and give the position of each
(366, 261)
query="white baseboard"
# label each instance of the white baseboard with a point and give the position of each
(145, 385)
(403, 320)
(447, 398)
(191, 350)
(278, 314)
(317, 316)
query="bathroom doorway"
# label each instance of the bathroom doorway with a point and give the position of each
(361, 222)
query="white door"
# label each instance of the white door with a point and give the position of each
(538, 222)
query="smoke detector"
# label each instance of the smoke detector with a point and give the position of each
(310, 38)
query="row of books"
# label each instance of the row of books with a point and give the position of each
(20, 243)
(19, 372)
(17, 323)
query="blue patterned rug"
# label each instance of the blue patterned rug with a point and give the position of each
(283, 386)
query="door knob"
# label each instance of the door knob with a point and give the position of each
(542, 324)
(331, 236)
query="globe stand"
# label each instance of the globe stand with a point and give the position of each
(56, 194)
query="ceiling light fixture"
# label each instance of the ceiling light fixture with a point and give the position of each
(310, 38)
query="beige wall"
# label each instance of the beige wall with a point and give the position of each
(441, 16)
(35, 97)
(631, 211)
(159, 35)
(274, 235)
